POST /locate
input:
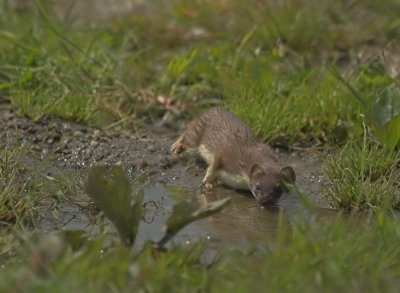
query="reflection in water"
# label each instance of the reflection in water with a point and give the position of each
(242, 222)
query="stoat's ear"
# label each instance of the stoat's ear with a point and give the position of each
(289, 174)
(256, 171)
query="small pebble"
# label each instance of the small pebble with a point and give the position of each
(94, 143)
(96, 133)
(77, 133)
(142, 164)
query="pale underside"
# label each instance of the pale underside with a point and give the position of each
(236, 181)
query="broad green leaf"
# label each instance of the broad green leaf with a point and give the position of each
(384, 113)
(386, 106)
(390, 134)
(185, 213)
(110, 190)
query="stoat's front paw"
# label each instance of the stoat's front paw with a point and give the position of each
(207, 184)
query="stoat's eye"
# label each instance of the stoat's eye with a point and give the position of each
(258, 187)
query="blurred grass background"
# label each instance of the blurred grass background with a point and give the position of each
(276, 65)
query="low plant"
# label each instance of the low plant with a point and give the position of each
(342, 254)
(363, 175)
(111, 191)
(14, 200)
(379, 96)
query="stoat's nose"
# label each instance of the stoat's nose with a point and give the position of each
(267, 201)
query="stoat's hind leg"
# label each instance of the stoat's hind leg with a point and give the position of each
(191, 137)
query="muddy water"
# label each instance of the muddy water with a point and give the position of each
(242, 222)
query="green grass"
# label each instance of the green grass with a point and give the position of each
(363, 175)
(13, 199)
(285, 108)
(52, 68)
(25, 185)
(329, 258)
(351, 255)
(99, 74)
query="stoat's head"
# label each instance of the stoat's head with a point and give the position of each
(267, 184)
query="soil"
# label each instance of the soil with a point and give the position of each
(65, 147)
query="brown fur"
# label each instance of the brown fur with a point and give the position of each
(229, 145)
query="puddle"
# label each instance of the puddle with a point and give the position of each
(242, 223)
